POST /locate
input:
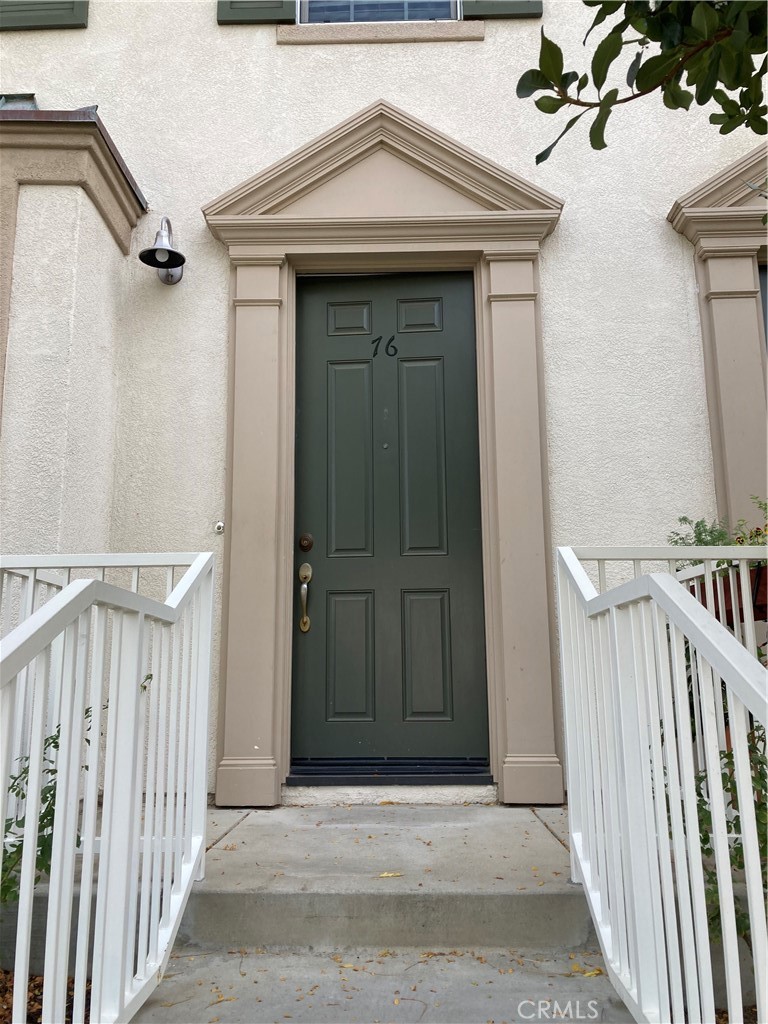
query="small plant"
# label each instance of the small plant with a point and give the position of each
(700, 533)
(758, 761)
(14, 827)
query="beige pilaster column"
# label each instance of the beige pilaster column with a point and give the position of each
(525, 739)
(723, 219)
(248, 773)
(735, 361)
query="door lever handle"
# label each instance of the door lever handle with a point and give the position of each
(305, 575)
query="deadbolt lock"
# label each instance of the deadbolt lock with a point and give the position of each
(306, 541)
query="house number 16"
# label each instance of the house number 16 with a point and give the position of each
(389, 348)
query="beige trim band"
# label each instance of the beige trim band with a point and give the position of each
(382, 32)
(508, 297)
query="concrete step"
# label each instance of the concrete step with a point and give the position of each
(388, 876)
(367, 986)
(386, 912)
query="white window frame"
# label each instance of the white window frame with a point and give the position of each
(302, 8)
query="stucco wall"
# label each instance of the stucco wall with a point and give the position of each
(195, 108)
(60, 417)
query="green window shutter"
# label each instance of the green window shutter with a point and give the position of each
(255, 12)
(15, 14)
(502, 9)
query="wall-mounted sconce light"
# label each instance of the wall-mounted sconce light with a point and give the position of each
(168, 261)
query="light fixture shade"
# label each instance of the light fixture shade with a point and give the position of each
(162, 255)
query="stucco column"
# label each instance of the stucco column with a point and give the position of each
(730, 295)
(530, 769)
(248, 772)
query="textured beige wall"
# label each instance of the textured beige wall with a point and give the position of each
(60, 418)
(195, 108)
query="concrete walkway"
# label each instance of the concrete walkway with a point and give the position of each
(387, 912)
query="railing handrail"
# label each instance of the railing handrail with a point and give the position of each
(668, 552)
(735, 665)
(33, 634)
(136, 559)
(104, 695)
(657, 690)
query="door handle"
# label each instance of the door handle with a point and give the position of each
(305, 575)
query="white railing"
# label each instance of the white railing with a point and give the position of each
(103, 734)
(665, 710)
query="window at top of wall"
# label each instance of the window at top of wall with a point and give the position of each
(347, 12)
(335, 11)
(32, 14)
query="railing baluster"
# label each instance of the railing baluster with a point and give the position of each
(37, 680)
(90, 812)
(69, 769)
(720, 841)
(661, 635)
(739, 729)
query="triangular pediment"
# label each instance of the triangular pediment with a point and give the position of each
(737, 185)
(730, 205)
(381, 163)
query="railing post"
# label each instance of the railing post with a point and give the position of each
(116, 888)
(639, 850)
(200, 709)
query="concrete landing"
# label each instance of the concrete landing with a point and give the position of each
(388, 876)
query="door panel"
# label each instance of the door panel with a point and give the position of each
(387, 482)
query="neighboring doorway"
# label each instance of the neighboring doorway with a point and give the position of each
(389, 670)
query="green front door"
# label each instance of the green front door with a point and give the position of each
(392, 664)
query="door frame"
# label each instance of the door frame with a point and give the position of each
(267, 250)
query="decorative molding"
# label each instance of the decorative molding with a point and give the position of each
(257, 302)
(523, 253)
(742, 293)
(381, 126)
(240, 259)
(728, 188)
(477, 228)
(723, 218)
(382, 32)
(512, 296)
(505, 219)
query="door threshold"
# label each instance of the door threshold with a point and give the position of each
(389, 779)
(424, 794)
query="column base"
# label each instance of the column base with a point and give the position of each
(247, 782)
(531, 779)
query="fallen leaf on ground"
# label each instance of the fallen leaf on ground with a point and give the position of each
(391, 874)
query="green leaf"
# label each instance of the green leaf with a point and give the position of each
(568, 79)
(705, 20)
(583, 83)
(676, 97)
(706, 86)
(605, 54)
(607, 8)
(759, 125)
(653, 72)
(545, 153)
(550, 59)
(532, 81)
(550, 104)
